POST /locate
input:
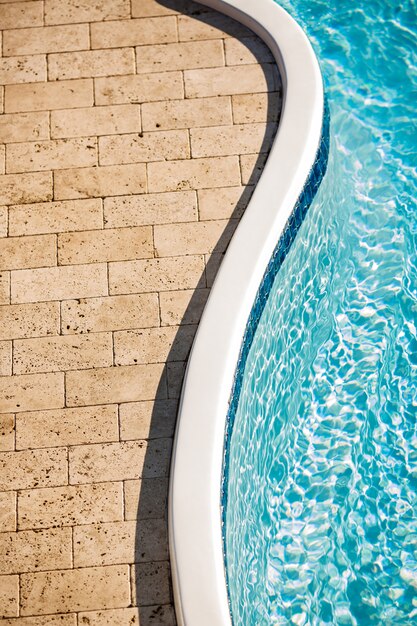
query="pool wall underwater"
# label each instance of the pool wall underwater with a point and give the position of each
(195, 515)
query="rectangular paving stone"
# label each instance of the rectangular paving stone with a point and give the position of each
(190, 113)
(137, 89)
(100, 181)
(55, 217)
(75, 590)
(147, 420)
(3, 221)
(67, 65)
(122, 617)
(5, 358)
(15, 127)
(252, 166)
(24, 252)
(25, 188)
(7, 428)
(46, 39)
(179, 56)
(157, 30)
(150, 8)
(52, 154)
(155, 274)
(110, 313)
(22, 69)
(29, 320)
(175, 378)
(230, 80)
(31, 551)
(193, 174)
(9, 597)
(153, 580)
(7, 511)
(59, 283)
(209, 26)
(146, 498)
(112, 244)
(144, 147)
(31, 393)
(182, 307)
(223, 203)
(105, 120)
(4, 287)
(2, 159)
(249, 108)
(49, 96)
(51, 354)
(153, 208)
(43, 620)
(153, 345)
(63, 427)
(17, 15)
(120, 461)
(194, 237)
(247, 50)
(120, 542)
(70, 505)
(114, 384)
(30, 469)
(75, 11)
(230, 140)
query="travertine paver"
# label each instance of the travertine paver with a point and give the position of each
(132, 133)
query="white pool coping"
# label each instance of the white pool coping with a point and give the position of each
(195, 530)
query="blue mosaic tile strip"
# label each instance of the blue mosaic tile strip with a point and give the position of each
(281, 250)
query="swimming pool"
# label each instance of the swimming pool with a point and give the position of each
(321, 485)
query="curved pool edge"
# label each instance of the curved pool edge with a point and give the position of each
(195, 523)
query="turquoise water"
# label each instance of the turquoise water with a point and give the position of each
(321, 509)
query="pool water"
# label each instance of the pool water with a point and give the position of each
(321, 484)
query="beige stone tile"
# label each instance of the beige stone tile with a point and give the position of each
(142, 88)
(146, 498)
(42, 429)
(34, 550)
(182, 307)
(30, 469)
(194, 237)
(112, 244)
(179, 56)
(22, 69)
(24, 252)
(157, 615)
(249, 108)
(49, 96)
(252, 166)
(155, 274)
(110, 313)
(119, 461)
(52, 154)
(46, 39)
(100, 181)
(67, 65)
(147, 420)
(31, 393)
(17, 15)
(75, 11)
(229, 140)
(153, 208)
(120, 542)
(209, 26)
(9, 596)
(6, 432)
(231, 80)
(59, 283)
(213, 262)
(44, 620)
(75, 590)
(5, 358)
(3, 221)
(24, 126)
(29, 320)
(153, 345)
(24, 188)
(153, 582)
(55, 217)
(2, 159)
(187, 113)
(7, 511)
(226, 203)
(113, 384)
(150, 8)
(138, 148)
(175, 377)
(194, 174)
(4, 287)
(157, 30)
(66, 506)
(106, 120)
(247, 50)
(69, 352)
(1, 99)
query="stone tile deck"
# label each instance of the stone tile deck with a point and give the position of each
(131, 135)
